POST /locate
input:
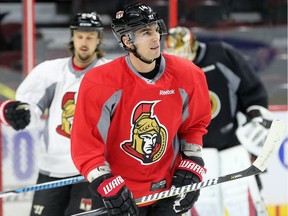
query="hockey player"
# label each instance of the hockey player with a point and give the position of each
(53, 86)
(234, 88)
(139, 122)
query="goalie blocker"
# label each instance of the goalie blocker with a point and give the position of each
(253, 132)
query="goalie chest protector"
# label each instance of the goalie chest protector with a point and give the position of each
(223, 83)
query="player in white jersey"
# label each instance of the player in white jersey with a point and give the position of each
(52, 86)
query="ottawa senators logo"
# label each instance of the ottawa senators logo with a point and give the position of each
(68, 108)
(215, 104)
(148, 137)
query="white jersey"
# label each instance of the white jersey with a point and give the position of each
(53, 86)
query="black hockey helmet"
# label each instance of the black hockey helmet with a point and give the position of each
(134, 17)
(88, 22)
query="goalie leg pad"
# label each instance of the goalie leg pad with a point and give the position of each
(242, 196)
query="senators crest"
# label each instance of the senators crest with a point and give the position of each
(148, 138)
(215, 104)
(68, 109)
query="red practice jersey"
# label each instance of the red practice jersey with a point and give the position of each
(136, 124)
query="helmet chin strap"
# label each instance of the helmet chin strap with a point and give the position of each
(141, 58)
(135, 53)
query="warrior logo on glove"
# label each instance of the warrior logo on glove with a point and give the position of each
(149, 139)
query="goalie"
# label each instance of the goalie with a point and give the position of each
(239, 115)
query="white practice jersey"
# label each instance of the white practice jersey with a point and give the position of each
(53, 86)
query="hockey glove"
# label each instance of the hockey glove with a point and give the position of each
(16, 114)
(190, 171)
(117, 198)
(253, 133)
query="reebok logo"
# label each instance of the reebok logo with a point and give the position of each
(167, 92)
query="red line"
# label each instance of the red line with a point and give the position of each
(277, 210)
(194, 212)
(278, 108)
(252, 209)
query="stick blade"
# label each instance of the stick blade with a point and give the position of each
(272, 144)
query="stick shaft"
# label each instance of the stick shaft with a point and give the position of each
(270, 147)
(43, 186)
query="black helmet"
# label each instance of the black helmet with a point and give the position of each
(87, 21)
(134, 17)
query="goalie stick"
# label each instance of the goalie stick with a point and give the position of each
(272, 143)
(43, 186)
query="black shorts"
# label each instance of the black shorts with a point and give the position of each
(160, 208)
(65, 200)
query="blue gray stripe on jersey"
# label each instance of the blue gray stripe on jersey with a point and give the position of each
(185, 115)
(233, 83)
(176, 148)
(82, 72)
(46, 100)
(107, 113)
(185, 111)
(201, 54)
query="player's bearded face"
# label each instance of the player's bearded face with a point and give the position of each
(147, 41)
(85, 44)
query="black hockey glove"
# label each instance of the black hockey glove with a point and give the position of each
(117, 198)
(190, 170)
(17, 114)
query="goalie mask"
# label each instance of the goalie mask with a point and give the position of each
(181, 42)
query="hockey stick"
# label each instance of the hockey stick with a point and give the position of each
(270, 147)
(43, 186)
